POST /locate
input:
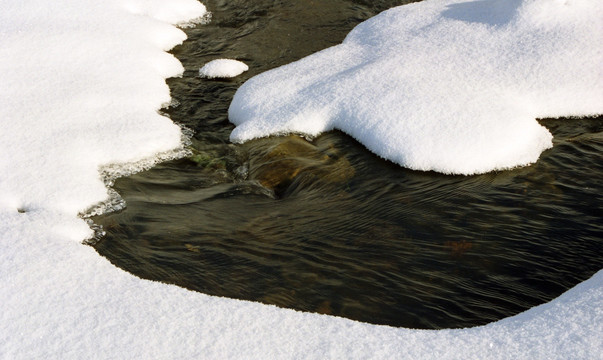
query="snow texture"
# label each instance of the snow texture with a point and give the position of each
(223, 68)
(81, 85)
(450, 86)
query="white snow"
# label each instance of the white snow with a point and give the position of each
(450, 86)
(223, 68)
(81, 85)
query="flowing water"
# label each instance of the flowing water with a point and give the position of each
(323, 225)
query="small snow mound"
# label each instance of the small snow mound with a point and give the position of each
(223, 68)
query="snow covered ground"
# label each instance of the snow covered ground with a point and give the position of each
(81, 83)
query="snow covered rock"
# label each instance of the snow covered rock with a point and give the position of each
(451, 86)
(223, 68)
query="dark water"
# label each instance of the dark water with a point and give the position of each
(325, 226)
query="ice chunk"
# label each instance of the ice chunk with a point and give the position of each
(223, 68)
(450, 86)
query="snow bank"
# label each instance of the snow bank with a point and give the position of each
(223, 68)
(81, 86)
(450, 86)
(81, 83)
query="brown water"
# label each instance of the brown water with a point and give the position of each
(325, 226)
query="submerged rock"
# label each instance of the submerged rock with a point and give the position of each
(296, 161)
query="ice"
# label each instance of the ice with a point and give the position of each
(223, 68)
(449, 86)
(81, 85)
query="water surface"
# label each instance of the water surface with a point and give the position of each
(323, 225)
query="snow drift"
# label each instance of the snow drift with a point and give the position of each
(450, 86)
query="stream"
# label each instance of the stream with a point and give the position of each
(323, 225)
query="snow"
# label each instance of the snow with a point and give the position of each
(81, 85)
(450, 86)
(223, 68)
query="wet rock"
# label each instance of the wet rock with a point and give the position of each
(294, 159)
(242, 172)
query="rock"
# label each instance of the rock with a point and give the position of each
(296, 160)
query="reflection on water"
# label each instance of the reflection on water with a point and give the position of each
(325, 226)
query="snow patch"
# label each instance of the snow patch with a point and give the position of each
(223, 68)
